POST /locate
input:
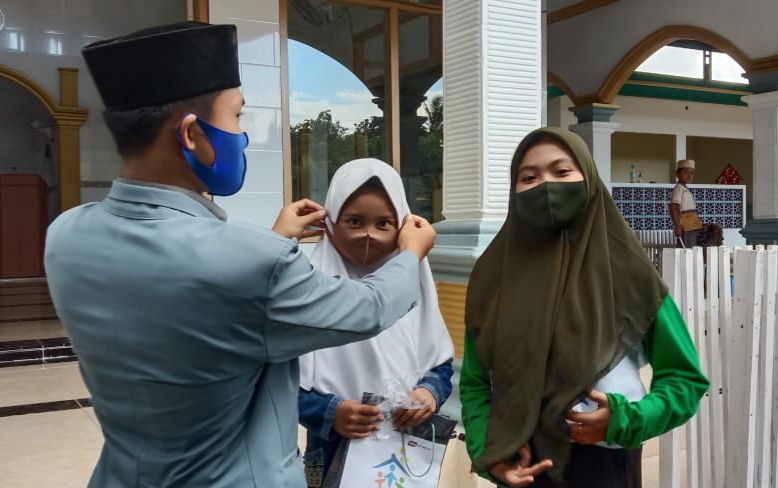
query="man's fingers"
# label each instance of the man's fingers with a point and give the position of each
(312, 218)
(306, 205)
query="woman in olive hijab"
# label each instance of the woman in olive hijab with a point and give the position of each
(563, 309)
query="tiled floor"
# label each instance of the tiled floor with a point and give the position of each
(60, 448)
(57, 448)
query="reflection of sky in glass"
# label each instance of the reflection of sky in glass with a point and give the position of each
(676, 61)
(317, 83)
(726, 69)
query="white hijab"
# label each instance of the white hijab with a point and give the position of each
(406, 351)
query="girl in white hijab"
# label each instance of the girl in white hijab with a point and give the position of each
(366, 206)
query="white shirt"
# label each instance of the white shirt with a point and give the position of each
(683, 197)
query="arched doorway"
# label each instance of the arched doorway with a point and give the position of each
(48, 164)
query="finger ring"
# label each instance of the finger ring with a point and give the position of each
(580, 428)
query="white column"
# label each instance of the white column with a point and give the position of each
(765, 116)
(598, 137)
(492, 65)
(493, 71)
(595, 127)
(680, 148)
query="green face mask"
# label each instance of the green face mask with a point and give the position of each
(551, 205)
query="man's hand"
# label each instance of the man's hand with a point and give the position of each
(296, 219)
(521, 473)
(416, 235)
(591, 427)
(355, 420)
(410, 418)
(678, 230)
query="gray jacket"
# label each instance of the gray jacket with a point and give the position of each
(188, 330)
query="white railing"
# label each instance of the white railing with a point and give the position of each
(655, 242)
(731, 442)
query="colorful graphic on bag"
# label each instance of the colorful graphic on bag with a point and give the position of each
(385, 464)
(397, 460)
(389, 470)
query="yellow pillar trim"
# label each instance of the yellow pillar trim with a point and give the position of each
(70, 117)
(200, 10)
(68, 87)
(451, 300)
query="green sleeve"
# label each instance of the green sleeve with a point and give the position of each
(677, 385)
(475, 393)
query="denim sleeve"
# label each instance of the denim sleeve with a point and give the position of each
(317, 412)
(438, 382)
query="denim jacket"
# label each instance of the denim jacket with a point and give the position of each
(317, 414)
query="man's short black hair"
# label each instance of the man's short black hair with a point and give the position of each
(135, 130)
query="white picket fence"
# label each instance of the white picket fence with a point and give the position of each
(732, 441)
(655, 242)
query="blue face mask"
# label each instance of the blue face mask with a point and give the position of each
(226, 176)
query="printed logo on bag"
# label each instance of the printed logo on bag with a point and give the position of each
(390, 473)
(416, 444)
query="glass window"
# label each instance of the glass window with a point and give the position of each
(339, 81)
(336, 85)
(421, 112)
(675, 61)
(726, 69)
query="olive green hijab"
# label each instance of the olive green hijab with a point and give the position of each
(551, 312)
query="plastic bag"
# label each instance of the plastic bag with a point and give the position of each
(396, 396)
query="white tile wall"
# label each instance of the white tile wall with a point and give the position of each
(259, 49)
(22, 148)
(43, 35)
(266, 170)
(253, 207)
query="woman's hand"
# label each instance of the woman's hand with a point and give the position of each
(404, 419)
(355, 420)
(591, 427)
(521, 473)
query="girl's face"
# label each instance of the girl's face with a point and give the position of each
(547, 161)
(367, 228)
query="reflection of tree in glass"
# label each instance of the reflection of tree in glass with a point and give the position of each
(317, 140)
(431, 138)
(320, 138)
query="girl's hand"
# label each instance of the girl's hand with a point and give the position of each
(355, 420)
(591, 427)
(521, 473)
(404, 419)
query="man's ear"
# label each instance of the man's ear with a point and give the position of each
(188, 131)
(192, 137)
